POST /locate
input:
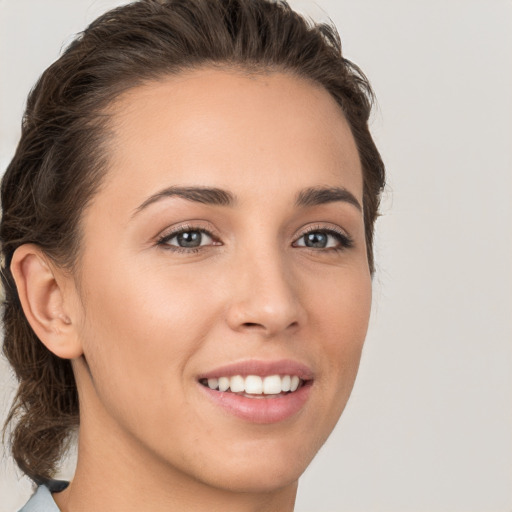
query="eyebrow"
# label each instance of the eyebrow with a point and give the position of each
(205, 195)
(321, 195)
(308, 197)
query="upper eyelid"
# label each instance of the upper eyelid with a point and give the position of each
(326, 228)
(182, 228)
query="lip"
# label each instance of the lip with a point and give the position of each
(265, 410)
(261, 368)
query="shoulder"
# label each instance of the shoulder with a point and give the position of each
(42, 500)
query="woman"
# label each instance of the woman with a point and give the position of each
(187, 256)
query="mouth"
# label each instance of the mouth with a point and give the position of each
(256, 386)
(259, 391)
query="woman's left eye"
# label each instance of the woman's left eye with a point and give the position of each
(187, 239)
(324, 239)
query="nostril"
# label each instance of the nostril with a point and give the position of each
(252, 324)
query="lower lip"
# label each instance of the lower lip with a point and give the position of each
(260, 410)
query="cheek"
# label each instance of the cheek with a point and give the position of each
(339, 327)
(140, 329)
(340, 308)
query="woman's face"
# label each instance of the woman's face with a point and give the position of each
(227, 242)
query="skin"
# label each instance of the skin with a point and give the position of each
(141, 321)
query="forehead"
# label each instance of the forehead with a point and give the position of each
(231, 129)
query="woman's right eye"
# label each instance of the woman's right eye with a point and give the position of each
(187, 239)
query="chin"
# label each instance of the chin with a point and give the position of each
(259, 478)
(261, 466)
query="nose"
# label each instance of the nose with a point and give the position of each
(264, 296)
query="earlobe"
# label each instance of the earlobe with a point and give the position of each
(45, 304)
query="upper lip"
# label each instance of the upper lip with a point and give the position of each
(261, 368)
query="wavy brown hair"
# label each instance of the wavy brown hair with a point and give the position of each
(61, 158)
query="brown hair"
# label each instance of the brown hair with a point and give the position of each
(60, 160)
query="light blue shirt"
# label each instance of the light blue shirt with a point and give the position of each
(42, 500)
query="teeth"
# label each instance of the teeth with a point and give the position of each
(223, 383)
(237, 384)
(253, 385)
(272, 385)
(256, 385)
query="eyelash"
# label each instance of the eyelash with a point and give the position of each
(164, 239)
(345, 241)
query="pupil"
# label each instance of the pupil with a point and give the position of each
(317, 240)
(189, 239)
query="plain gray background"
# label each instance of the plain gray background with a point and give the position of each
(429, 424)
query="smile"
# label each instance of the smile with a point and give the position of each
(259, 392)
(255, 386)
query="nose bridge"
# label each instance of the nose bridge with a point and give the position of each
(264, 294)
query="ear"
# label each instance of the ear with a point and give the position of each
(46, 297)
